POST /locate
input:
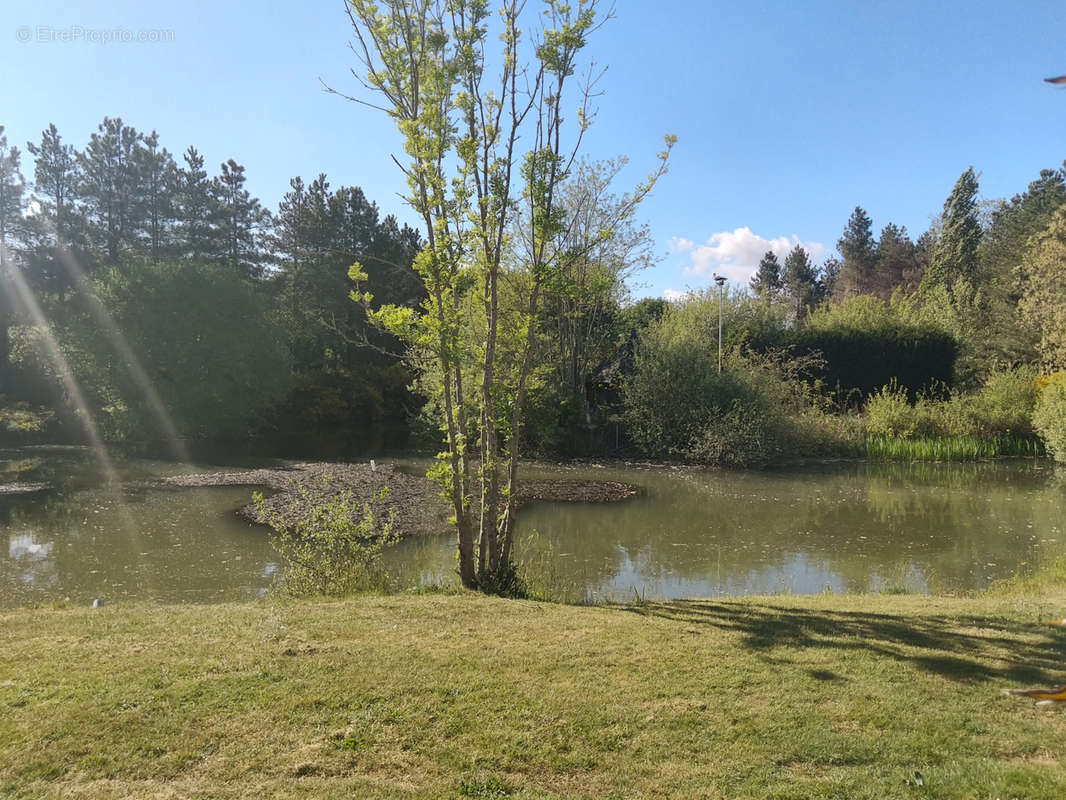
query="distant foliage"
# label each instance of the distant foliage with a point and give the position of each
(200, 333)
(1049, 419)
(678, 406)
(1043, 303)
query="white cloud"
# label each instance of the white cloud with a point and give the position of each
(33, 208)
(673, 294)
(736, 254)
(679, 244)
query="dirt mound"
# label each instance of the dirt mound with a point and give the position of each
(415, 501)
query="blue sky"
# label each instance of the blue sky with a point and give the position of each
(788, 113)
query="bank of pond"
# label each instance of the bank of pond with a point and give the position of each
(843, 526)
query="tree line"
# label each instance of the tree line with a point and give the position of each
(984, 271)
(241, 316)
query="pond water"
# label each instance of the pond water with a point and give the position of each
(848, 526)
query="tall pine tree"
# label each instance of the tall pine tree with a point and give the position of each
(800, 280)
(858, 253)
(766, 282)
(896, 258)
(157, 174)
(196, 229)
(109, 188)
(242, 221)
(955, 254)
(12, 199)
(12, 229)
(58, 227)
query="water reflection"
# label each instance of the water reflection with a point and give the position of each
(842, 527)
(73, 542)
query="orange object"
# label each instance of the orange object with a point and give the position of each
(1052, 693)
(1060, 79)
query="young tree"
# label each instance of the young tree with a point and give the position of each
(468, 178)
(955, 252)
(600, 248)
(766, 282)
(858, 252)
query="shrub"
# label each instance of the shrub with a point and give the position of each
(330, 545)
(889, 413)
(738, 437)
(1049, 419)
(677, 404)
(1005, 404)
(1001, 409)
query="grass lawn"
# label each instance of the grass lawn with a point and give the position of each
(466, 696)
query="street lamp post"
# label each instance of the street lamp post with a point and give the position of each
(720, 280)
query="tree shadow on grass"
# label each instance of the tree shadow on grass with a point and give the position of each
(967, 649)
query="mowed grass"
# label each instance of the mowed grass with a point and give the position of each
(451, 696)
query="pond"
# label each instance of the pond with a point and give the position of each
(848, 526)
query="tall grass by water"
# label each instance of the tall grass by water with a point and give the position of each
(950, 448)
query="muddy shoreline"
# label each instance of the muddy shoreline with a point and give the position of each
(415, 501)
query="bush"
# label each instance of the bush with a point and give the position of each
(1000, 409)
(677, 404)
(1049, 419)
(329, 545)
(739, 437)
(1005, 404)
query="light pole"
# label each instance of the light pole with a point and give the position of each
(720, 280)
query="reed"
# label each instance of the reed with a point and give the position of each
(950, 448)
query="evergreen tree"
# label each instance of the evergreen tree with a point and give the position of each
(1004, 248)
(289, 240)
(56, 178)
(157, 175)
(1015, 221)
(955, 252)
(242, 221)
(12, 229)
(12, 199)
(858, 253)
(196, 210)
(896, 258)
(827, 279)
(800, 281)
(923, 253)
(766, 282)
(57, 226)
(109, 188)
